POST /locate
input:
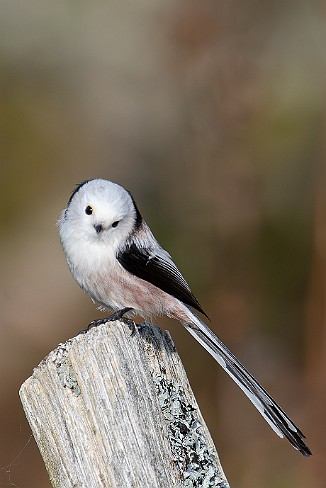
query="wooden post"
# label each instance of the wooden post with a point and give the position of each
(112, 410)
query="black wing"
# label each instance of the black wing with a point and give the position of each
(159, 271)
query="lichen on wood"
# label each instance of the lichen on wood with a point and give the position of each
(108, 409)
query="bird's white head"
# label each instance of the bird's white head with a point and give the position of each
(99, 213)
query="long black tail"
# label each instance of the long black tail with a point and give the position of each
(269, 409)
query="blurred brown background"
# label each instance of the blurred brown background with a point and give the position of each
(213, 114)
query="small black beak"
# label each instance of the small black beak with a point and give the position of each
(98, 228)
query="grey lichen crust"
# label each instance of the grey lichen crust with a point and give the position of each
(66, 373)
(196, 461)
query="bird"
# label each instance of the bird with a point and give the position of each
(116, 260)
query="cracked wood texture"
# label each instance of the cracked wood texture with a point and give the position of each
(112, 410)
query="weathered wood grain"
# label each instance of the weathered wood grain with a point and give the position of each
(112, 410)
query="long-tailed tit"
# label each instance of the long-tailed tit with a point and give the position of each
(117, 261)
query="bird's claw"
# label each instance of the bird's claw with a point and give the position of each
(118, 315)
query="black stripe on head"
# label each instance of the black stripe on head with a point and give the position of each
(139, 218)
(78, 187)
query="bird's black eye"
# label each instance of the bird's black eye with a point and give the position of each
(89, 210)
(115, 223)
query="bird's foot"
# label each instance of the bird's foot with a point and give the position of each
(118, 315)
